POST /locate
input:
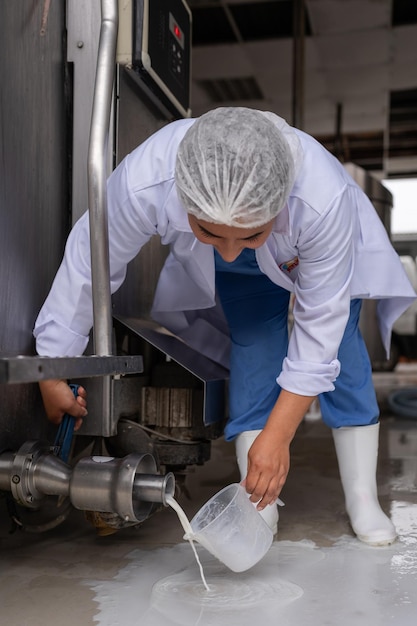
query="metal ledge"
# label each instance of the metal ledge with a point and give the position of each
(213, 376)
(31, 369)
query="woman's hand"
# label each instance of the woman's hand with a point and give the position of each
(59, 399)
(269, 455)
(268, 467)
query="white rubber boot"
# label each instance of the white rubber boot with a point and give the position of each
(243, 442)
(357, 455)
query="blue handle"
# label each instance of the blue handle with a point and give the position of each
(63, 439)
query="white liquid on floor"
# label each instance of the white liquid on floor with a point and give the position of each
(296, 583)
(226, 591)
(188, 531)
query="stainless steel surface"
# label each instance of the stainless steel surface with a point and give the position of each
(114, 485)
(148, 93)
(83, 32)
(152, 488)
(97, 178)
(29, 483)
(21, 369)
(34, 192)
(97, 197)
(137, 119)
(193, 361)
(213, 376)
(127, 486)
(51, 476)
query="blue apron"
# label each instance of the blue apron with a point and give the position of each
(257, 314)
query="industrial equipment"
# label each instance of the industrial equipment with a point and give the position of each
(127, 486)
(162, 50)
(154, 404)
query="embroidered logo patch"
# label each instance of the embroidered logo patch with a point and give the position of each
(288, 266)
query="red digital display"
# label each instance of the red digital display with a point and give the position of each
(177, 32)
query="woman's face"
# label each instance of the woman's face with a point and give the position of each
(229, 241)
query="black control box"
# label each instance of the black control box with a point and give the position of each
(161, 53)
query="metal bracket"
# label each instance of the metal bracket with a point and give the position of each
(31, 369)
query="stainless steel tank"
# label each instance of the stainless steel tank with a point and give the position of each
(34, 192)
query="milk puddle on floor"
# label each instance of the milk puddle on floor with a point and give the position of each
(296, 584)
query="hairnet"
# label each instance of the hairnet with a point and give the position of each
(236, 166)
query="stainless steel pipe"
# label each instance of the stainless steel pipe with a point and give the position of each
(97, 178)
(128, 486)
(97, 199)
(153, 488)
(122, 486)
(35, 473)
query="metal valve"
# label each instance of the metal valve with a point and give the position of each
(128, 486)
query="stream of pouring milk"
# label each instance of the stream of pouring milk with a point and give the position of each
(188, 531)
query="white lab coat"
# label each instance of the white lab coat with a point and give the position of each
(327, 246)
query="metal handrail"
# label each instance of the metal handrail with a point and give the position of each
(97, 200)
(97, 178)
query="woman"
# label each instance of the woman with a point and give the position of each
(253, 210)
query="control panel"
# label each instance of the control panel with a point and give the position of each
(161, 50)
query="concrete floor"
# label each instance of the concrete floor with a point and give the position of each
(315, 574)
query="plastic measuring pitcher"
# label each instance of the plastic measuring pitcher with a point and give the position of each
(229, 526)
